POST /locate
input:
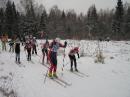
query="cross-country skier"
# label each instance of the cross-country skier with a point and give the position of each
(17, 51)
(54, 46)
(11, 44)
(73, 58)
(4, 40)
(45, 47)
(34, 47)
(28, 47)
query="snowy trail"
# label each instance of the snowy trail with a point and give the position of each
(111, 79)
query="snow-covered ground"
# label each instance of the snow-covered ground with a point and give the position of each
(111, 79)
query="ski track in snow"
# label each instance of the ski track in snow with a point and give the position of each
(111, 79)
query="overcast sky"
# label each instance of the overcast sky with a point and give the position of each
(80, 5)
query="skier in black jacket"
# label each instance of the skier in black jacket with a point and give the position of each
(17, 51)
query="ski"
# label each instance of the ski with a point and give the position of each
(63, 81)
(58, 82)
(78, 74)
(86, 75)
(31, 62)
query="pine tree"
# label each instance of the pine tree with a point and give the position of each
(92, 21)
(43, 24)
(118, 20)
(9, 18)
(15, 20)
(54, 22)
(127, 24)
(63, 26)
(28, 22)
(2, 19)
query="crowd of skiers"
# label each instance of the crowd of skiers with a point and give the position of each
(49, 50)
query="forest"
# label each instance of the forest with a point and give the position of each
(34, 19)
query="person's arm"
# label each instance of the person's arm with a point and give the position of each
(78, 55)
(64, 46)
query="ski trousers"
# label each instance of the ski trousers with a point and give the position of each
(73, 60)
(53, 61)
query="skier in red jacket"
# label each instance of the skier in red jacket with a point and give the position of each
(73, 58)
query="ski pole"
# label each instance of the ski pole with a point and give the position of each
(63, 62)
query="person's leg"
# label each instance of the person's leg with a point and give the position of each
(10, 48)
(2, 45)
(43, 55)
(43, 58)
(47, 61)
(28, 55)
(71, 61)
(75, 63)
(35, 50)
(13, 48)
(5, 46)
(51, 64)
(54, 64)
(55, 69)
(18, 57)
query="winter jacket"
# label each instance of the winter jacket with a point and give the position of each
(54, 46)
(73, 52)
(17, 48)
(28, 46)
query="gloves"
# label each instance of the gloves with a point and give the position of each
(65, 43)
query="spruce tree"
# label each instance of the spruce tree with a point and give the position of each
(1, 21)
(43, 24)
(127, 24)
(118, 20)
(15, 19)
(9, 18)
(92, 21)
(29, 22)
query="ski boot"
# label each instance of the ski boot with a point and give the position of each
(19, 62)
(50, 75)
(55, 75)
(76, 69)
(71, 69)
